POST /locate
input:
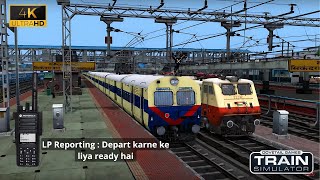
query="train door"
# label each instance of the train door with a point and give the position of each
(115, 90)
(137, 104)
(105, 85)
(132, 99)
(205, 99)
(210, 99)
(121, 94)
(141, 106)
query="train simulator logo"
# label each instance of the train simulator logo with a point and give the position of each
(281, 162)
(28, 16)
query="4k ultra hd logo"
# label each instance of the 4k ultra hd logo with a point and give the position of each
(28, 16)
(281, 162)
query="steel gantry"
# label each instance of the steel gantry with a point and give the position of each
(138, 12)
(5, 126)
(66, 54)
(69, 10)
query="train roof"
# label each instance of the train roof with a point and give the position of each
(138, 80)
(245, 81)
(22, 72)
(199, 82)
(191, 77)
(90, 72)
(142, 81)
(102, 74)
(219, 81)
(117, 77)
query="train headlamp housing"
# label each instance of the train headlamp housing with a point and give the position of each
(174, 81)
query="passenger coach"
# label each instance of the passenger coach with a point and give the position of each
(167, 106)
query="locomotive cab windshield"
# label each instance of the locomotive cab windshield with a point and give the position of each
(228, 89)
(244, 89)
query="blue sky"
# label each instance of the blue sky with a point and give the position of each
(89, 31)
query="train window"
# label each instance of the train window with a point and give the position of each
(163, 98)
(228, 89)
(205, 88)
(185, 97)
(244, 89)
(210, 90)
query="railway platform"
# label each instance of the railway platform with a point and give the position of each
(93, 116)
(292, 142)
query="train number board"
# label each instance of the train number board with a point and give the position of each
(28, 15)
(304, 65)
(57, 66)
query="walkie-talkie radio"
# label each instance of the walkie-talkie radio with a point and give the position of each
(27, 136)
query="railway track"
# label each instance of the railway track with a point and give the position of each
(239, 149)
(307, 109)
(301, 126)
(208, 166)
(24, 87)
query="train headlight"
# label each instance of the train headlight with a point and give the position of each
(174, 81)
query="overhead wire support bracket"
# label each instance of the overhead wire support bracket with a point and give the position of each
(290, 12)
(111, 6)
(205, 6)
(199, 10)
(245, 8)
(160, 6)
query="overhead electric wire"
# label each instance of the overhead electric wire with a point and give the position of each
(304, 27)
(202, 22)
(226, 16)
(188, 20)
(256, 26)
(256, 2)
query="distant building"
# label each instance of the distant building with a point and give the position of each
(308, 53)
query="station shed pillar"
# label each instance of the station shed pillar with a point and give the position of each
(271, 28)
(306, 76)
(265, 83)
(266, 75)
(228, 26)
(169, 22)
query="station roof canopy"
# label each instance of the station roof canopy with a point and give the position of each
(104, 48)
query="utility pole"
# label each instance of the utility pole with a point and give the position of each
(288, 49)
(282, 44)
(17, 66)
(4, 124)
(228, 26)
(271, 28)
(108, 21)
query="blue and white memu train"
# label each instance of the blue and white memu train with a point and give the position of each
(168, 106)
(24, 76)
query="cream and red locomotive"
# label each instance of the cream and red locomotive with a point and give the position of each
(230, 105)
